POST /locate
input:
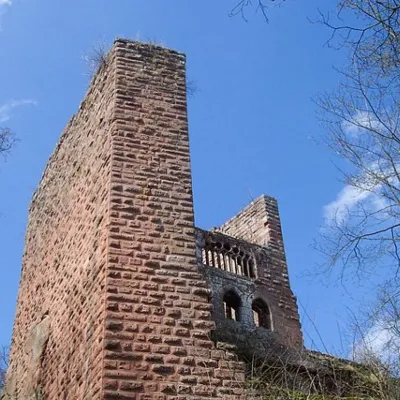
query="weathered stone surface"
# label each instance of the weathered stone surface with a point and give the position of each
(35, 347)
(269, 283)
(110, 252)
(64, 264)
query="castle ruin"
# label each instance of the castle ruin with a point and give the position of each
(121, 296)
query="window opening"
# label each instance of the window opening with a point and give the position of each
(232, 306)
(232, 259)
(261, 314)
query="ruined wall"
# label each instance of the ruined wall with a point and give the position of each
(115, 301)
(268, 284)
(58, 330)
(258, 223)
(158, 313)
(111, 304)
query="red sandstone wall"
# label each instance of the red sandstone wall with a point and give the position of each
(258, 223)
(109, 274)
(158, 312)
(63, 272)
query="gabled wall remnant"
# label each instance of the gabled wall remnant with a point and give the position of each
(223, 259)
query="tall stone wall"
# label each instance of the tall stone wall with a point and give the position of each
(158, 312)
(58, 331)
(111, 305)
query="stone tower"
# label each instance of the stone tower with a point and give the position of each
(121, 297)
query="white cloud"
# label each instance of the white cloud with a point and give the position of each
(380, 341)
(370, 195)
(3, 4)
(361, 122)
(7, 108)
(348, 198)
(339, 210)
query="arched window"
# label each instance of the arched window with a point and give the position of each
(232, 305)
(261, 314)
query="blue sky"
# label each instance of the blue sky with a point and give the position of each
(251, 122)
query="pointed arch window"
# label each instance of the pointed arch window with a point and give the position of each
(261, 314)
(232, 305)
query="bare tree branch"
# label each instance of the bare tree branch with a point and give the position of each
(4, 351)
(372, 36)
(361, 121)
(7, 141)
(241, 8)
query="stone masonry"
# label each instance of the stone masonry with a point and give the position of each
(258, 229)
(119, 298)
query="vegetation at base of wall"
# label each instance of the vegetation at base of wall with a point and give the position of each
(315, 376)
(270, 392)
(277, 393)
